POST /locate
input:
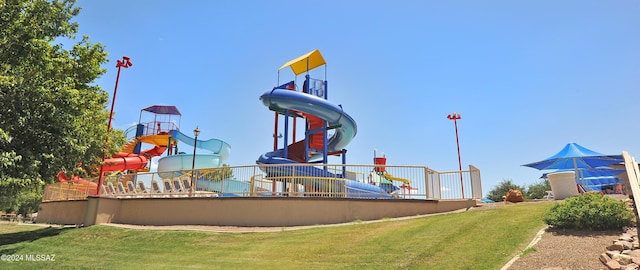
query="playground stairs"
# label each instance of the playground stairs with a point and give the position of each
(296, 151)
(128, 148)
(316, 140)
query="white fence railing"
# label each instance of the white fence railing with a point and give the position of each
(286, 180)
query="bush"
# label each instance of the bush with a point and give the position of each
(592, 211)
(501, 190)
(538, 190)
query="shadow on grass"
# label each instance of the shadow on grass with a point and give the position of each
(585, 232)
(29, 236)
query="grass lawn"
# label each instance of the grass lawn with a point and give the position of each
(478, 239)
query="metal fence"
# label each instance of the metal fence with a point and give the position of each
(285, 180)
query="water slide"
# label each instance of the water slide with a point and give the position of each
(281, 100)
(219, 149)
(80, 184)
(121, 161)
(228, 187)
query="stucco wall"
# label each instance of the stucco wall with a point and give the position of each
(254, 211)
(63, 212)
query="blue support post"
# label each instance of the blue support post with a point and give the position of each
(139, 132)
(325, 143)
(344, 161)
(326, 90)
(286, 134)
(325, 132)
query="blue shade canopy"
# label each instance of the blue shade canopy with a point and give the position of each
(593, 173)
(574, 156)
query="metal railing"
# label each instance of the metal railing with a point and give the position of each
(287, 180)
(67, 191)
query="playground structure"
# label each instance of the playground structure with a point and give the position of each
(160, 129)
(321, 117)
(294, 184)
(131, 159)
(164, 131)
(380, 176)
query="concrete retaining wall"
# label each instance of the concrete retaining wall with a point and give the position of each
(243, 211)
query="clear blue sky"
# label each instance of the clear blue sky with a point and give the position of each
(528, 77)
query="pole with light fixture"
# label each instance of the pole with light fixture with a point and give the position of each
(124, 63)
(455, 117)
(196, 132)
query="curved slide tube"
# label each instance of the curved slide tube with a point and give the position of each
(281, 100)
(219, 148)
(216, 146)
(133, 162)
(228, 187)
(121, 161)
(80, 184)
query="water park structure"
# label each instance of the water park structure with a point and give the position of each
(292, 184)
(311, 104)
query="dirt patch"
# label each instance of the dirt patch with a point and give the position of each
(567, 249)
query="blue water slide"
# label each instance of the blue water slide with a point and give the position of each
(214, 145)
(225, 187)
(280, 100)
(219, 149)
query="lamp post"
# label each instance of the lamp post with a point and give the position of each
(124, 63)
(196, 132)
(455, 117)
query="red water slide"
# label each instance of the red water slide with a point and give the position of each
(119, 162)
(128, 161)
(80, 184)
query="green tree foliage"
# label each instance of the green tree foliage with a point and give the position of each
(501, 190)
(218, 174)
(52, 117)
(592, 211)
(538, 190)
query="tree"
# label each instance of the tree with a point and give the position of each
(501, 190)
(52, 117)
(218, 174)
(538, 190)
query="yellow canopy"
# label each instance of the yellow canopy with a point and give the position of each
(305, 63)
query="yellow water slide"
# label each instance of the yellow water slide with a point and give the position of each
(156, 139)
(393, 178)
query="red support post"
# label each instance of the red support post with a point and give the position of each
(455, 117)
(124, 63)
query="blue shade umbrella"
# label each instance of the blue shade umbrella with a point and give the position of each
(573, 156)
(593, 173)
(595, 179)
(579, 159)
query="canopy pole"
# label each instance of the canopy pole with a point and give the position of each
(577, 174)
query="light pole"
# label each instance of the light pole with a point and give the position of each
(196, 132)
(455, 117)
(124, 63)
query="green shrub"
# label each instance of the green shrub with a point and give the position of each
(538, 190)
(592, 211)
